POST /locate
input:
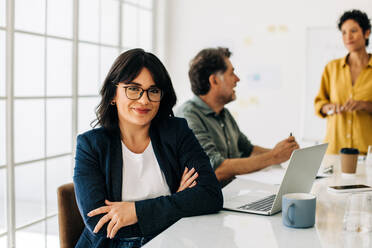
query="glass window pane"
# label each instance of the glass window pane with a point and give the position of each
(88, 69)
(59, 126)
(86, 112)
(129, 25)
(60, 18)
(28, 65)
(145, 30)
(30, 15)
(89, 20)
(59, 67)
(2, 13)
(108, 56)
(132, 1)
(31, 237)
(110, 22)
(3, 241)
(59, 171)
(2, 133)
(28, 129)
(146, 3)
(2, 63)
(52, 232)
(29, 192)
(3, 215)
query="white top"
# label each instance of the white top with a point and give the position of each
(142, 176)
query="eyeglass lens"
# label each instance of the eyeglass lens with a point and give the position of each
(134, 93)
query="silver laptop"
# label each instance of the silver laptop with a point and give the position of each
(299, 177)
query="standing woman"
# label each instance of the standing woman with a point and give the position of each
(345, 95)
(142, 169)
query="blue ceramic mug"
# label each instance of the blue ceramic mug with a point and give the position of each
(298, 210)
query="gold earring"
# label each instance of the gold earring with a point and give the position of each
(113, 103)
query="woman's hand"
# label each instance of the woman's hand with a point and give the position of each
(188, 179)
(118, 214)
(352, 105)
(332, 108)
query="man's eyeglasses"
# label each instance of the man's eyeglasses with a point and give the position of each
(135, 92)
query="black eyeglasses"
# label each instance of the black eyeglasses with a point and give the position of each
(135, 92)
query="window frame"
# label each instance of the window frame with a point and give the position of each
(10, 99)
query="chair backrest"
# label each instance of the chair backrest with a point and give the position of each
(71, 224)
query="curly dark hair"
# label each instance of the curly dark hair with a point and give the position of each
(206, 62)
(126, 68)
(360, 17)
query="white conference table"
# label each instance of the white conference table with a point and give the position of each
(234, 229)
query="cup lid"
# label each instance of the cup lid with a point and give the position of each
(349, 151)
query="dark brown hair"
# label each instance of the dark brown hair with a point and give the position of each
(126, 68)
(206, 62)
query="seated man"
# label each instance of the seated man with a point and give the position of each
(231, 153)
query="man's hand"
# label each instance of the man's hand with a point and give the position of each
(283, 150)
(188, 179)
(118, 214)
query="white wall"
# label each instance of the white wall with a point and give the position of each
(269, 34)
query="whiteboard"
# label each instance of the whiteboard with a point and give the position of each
(323, 44)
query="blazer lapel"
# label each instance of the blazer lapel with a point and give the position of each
(160, 156)
(116, 167)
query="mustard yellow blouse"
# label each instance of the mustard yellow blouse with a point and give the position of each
(348, 129)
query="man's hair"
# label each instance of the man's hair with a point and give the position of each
(360, 17)
(205, 63)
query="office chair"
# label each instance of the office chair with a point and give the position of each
(71, 224)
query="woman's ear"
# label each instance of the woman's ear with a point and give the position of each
(367, 33)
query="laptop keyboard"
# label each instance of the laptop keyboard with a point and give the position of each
(264, 204)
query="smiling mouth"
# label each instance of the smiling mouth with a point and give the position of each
(141, 111)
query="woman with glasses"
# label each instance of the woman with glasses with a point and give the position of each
(142, 169)
(345, 94)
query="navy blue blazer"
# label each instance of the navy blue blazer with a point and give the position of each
(98, 176)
